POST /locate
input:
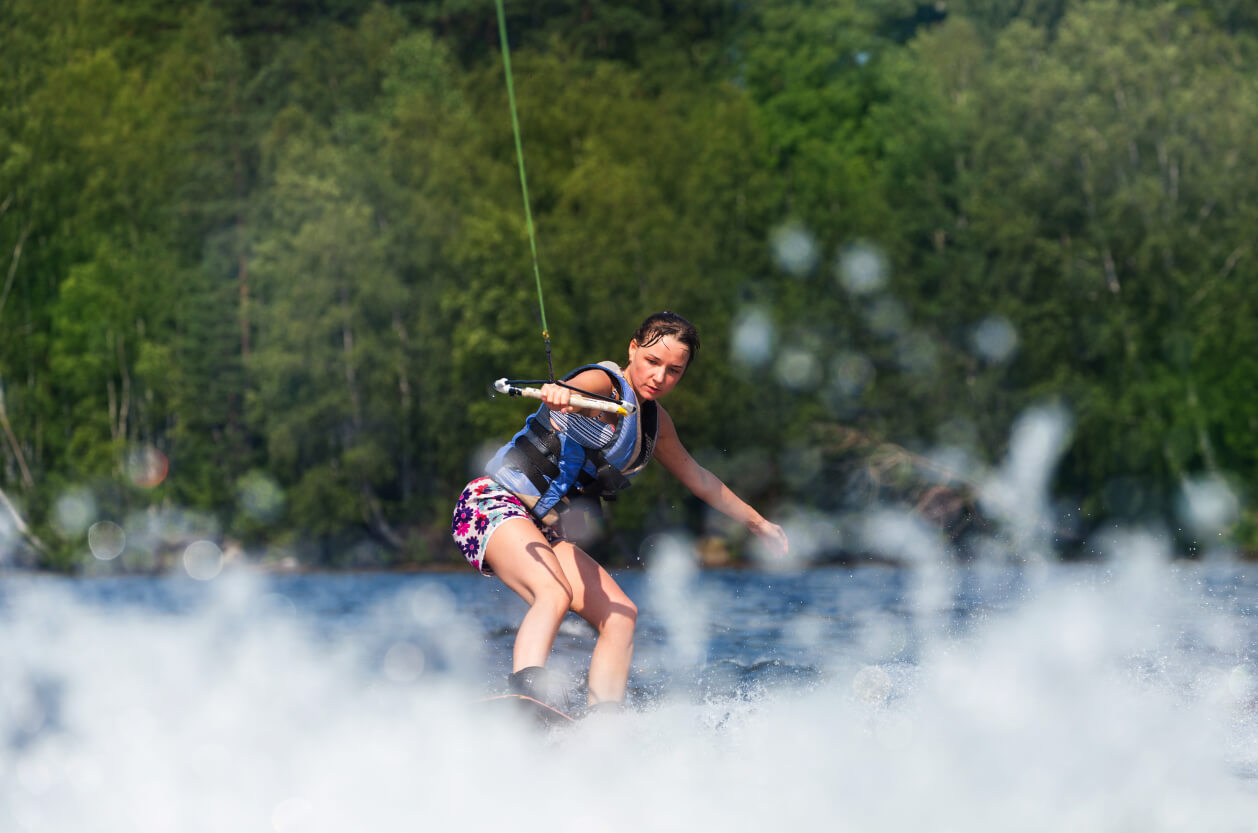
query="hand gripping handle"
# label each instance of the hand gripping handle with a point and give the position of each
(579, 401)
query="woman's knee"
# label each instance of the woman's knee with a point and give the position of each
(621, 619)
(555, 596)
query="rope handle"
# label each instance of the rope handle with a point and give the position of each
(610, 406)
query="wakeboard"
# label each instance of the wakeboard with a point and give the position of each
(534, 710)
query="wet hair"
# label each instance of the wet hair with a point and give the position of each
(662, 324)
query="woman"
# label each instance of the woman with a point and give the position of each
(508, 523)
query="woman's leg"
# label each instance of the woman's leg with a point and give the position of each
(520, 556)
(554, 580)
(598, 599)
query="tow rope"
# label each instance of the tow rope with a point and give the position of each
(520, 387)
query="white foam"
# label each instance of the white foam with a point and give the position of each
(1104, 703)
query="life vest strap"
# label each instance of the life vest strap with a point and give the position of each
(604, 483)
(535, 454)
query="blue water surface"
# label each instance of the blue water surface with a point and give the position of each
(751, 629)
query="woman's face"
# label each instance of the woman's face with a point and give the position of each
(654, 370)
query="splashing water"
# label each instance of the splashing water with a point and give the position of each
(1106, 699)
(1207, 505)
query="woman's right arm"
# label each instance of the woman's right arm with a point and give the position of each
(558, 397)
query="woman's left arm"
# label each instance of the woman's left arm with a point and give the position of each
(706, 485)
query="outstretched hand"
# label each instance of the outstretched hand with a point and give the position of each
(773, 537)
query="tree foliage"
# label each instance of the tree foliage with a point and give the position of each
(258, 264)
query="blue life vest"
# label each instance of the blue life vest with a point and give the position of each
(547, 468)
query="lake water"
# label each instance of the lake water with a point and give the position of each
(1111, 697)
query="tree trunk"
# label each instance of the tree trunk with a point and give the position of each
(27, 480)
(24, 530)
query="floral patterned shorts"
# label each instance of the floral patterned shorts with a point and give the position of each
(482, 507)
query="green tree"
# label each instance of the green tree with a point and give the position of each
(90, 128)
(1101, 199)
(350, 231)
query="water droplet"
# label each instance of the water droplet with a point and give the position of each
(73, 513)
(794, 250)
(147, 466)
(862, 269)
(798, 369)
(751, 339)
(260, 497)
(106, 540)
(995, 339)
(203, 560)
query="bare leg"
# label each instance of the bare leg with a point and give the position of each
(598, 599)
(520, 556)
(553, 581)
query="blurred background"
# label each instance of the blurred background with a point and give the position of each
(259, 263)
(976, 288)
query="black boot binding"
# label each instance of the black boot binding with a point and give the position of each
(541, 685)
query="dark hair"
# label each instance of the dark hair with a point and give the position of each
(661, 324)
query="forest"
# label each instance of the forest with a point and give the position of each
(260, 262)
